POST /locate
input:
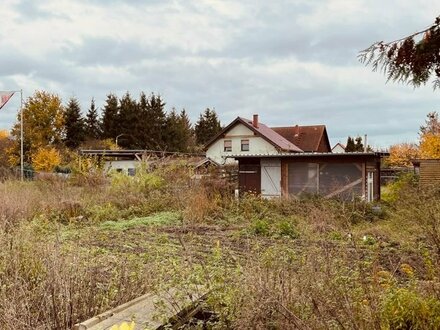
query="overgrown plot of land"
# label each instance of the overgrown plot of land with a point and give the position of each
(69, 252)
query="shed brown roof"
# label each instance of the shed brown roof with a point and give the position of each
(308, 138)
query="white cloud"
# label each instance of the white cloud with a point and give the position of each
(289, 60)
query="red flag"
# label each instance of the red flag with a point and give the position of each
(4, 98)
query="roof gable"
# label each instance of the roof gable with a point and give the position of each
(263, 131)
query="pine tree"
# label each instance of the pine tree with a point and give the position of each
(144, 121)
(178, 132)
(92, 124)
(156, 118)
(110, 124)
(74, 124)
(359, 146)
(350, 146)
(207, 126)
(187, 131)
(129, 125)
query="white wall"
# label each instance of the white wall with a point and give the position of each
(337, 149)
(257, 145)
(123, 165)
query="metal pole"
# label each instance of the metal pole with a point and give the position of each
(21, 136)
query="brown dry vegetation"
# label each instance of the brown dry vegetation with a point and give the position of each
(72, 249)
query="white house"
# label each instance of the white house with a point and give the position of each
(250, 137)
(244, 136)
(338, 148)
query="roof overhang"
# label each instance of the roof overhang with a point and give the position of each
(134, 152)
(313, 154)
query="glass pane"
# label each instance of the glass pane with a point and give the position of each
(244, 145)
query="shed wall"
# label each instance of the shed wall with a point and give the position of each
(429, 171)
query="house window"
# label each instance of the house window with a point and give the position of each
(228, 146)
(244, 145)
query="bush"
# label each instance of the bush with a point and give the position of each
(406, 309)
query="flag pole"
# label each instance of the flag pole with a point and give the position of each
(21, 136)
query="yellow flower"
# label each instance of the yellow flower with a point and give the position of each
(407, 269)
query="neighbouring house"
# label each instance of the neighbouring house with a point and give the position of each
(290, 161)
(338, 148)
(127, 161)
(428, 171)
(124, 161)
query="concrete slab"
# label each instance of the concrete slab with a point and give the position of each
(140, 310)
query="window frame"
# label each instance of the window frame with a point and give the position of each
(227, 145)
(245, 144)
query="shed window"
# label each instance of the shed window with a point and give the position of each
(228, 146)
(245, 145)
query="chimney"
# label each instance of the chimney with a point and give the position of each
(255, 121)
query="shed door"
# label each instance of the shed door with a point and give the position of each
(249, 178)
(270, 178)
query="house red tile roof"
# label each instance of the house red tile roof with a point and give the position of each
(308, 138)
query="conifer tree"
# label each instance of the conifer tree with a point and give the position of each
(156, 119)
(359, 146)
(350, 146)
(92, 124)
(207, 126)
(74, 124)
(110, 123)
(129, 126)
(178, 132)
(144, 122)
(187, 131)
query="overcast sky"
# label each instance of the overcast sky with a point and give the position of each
(292, 62)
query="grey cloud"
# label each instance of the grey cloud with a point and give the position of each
(31, 10)
(232, 79)
(14, 62)
(113, 51)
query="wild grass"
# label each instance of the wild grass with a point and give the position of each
(72, 249)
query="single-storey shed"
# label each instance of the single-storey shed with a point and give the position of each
(343, 175)
(428, 171)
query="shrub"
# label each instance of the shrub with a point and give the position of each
(287, 229)
(260, 227)
(406, 309)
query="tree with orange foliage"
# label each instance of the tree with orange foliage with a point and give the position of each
(43, 116)
(401, 154)
(5, 144)
(430, 146)
(430, 137)
(45, 159)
